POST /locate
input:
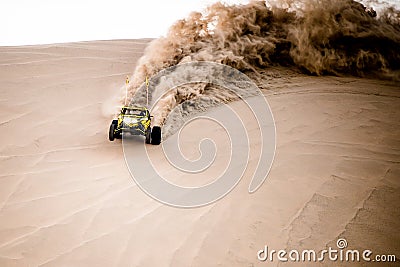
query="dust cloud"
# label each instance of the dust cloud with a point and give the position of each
(316, 37)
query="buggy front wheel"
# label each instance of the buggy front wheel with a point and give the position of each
(156, 135)
(111, 132)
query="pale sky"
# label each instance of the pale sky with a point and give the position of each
(26, 22)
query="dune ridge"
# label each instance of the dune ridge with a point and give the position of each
(67, 198)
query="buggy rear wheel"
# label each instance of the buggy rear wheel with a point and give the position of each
(148, 135)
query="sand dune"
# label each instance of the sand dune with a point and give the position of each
(67, 198)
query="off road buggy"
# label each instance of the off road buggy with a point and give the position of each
(136, 121)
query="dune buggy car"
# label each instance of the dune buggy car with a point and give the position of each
(136, 121)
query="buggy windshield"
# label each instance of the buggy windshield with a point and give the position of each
(135, 112)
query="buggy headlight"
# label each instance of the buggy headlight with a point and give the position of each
(130, 120)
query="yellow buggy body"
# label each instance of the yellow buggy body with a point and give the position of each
(136, 121)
